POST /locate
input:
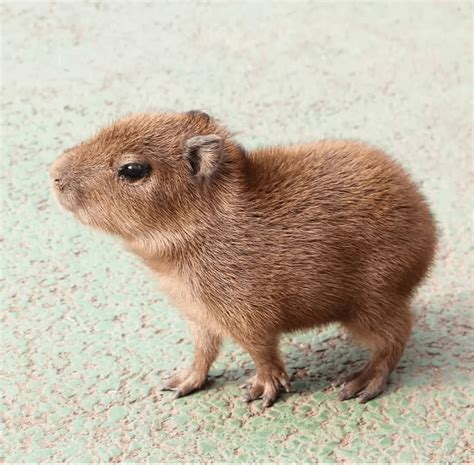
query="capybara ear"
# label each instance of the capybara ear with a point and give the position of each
(199, 115)
(204, 154)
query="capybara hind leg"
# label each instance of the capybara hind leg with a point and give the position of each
(386, 338)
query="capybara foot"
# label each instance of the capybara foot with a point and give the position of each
(364, 385)
(185, 382)
(267, 386)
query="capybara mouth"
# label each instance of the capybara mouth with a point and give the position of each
(67, 198)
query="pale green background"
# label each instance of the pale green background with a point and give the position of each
(86, 337)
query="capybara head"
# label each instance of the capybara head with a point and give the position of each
(146, 173)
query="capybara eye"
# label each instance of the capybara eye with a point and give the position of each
(134, 171)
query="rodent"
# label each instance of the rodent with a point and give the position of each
(253, 244)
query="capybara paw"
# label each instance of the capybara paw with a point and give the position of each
(363, 385)
(185, 382)
(267, 387)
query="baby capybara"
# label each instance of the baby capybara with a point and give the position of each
(253, 244)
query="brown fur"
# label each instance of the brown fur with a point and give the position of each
(250, 245)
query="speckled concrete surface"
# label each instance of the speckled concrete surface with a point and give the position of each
(86, 336)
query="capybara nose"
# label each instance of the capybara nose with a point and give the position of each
(58, 183)
(56, 174)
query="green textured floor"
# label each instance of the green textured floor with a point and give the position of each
(86, 336)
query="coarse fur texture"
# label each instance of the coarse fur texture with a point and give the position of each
(254, 244)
